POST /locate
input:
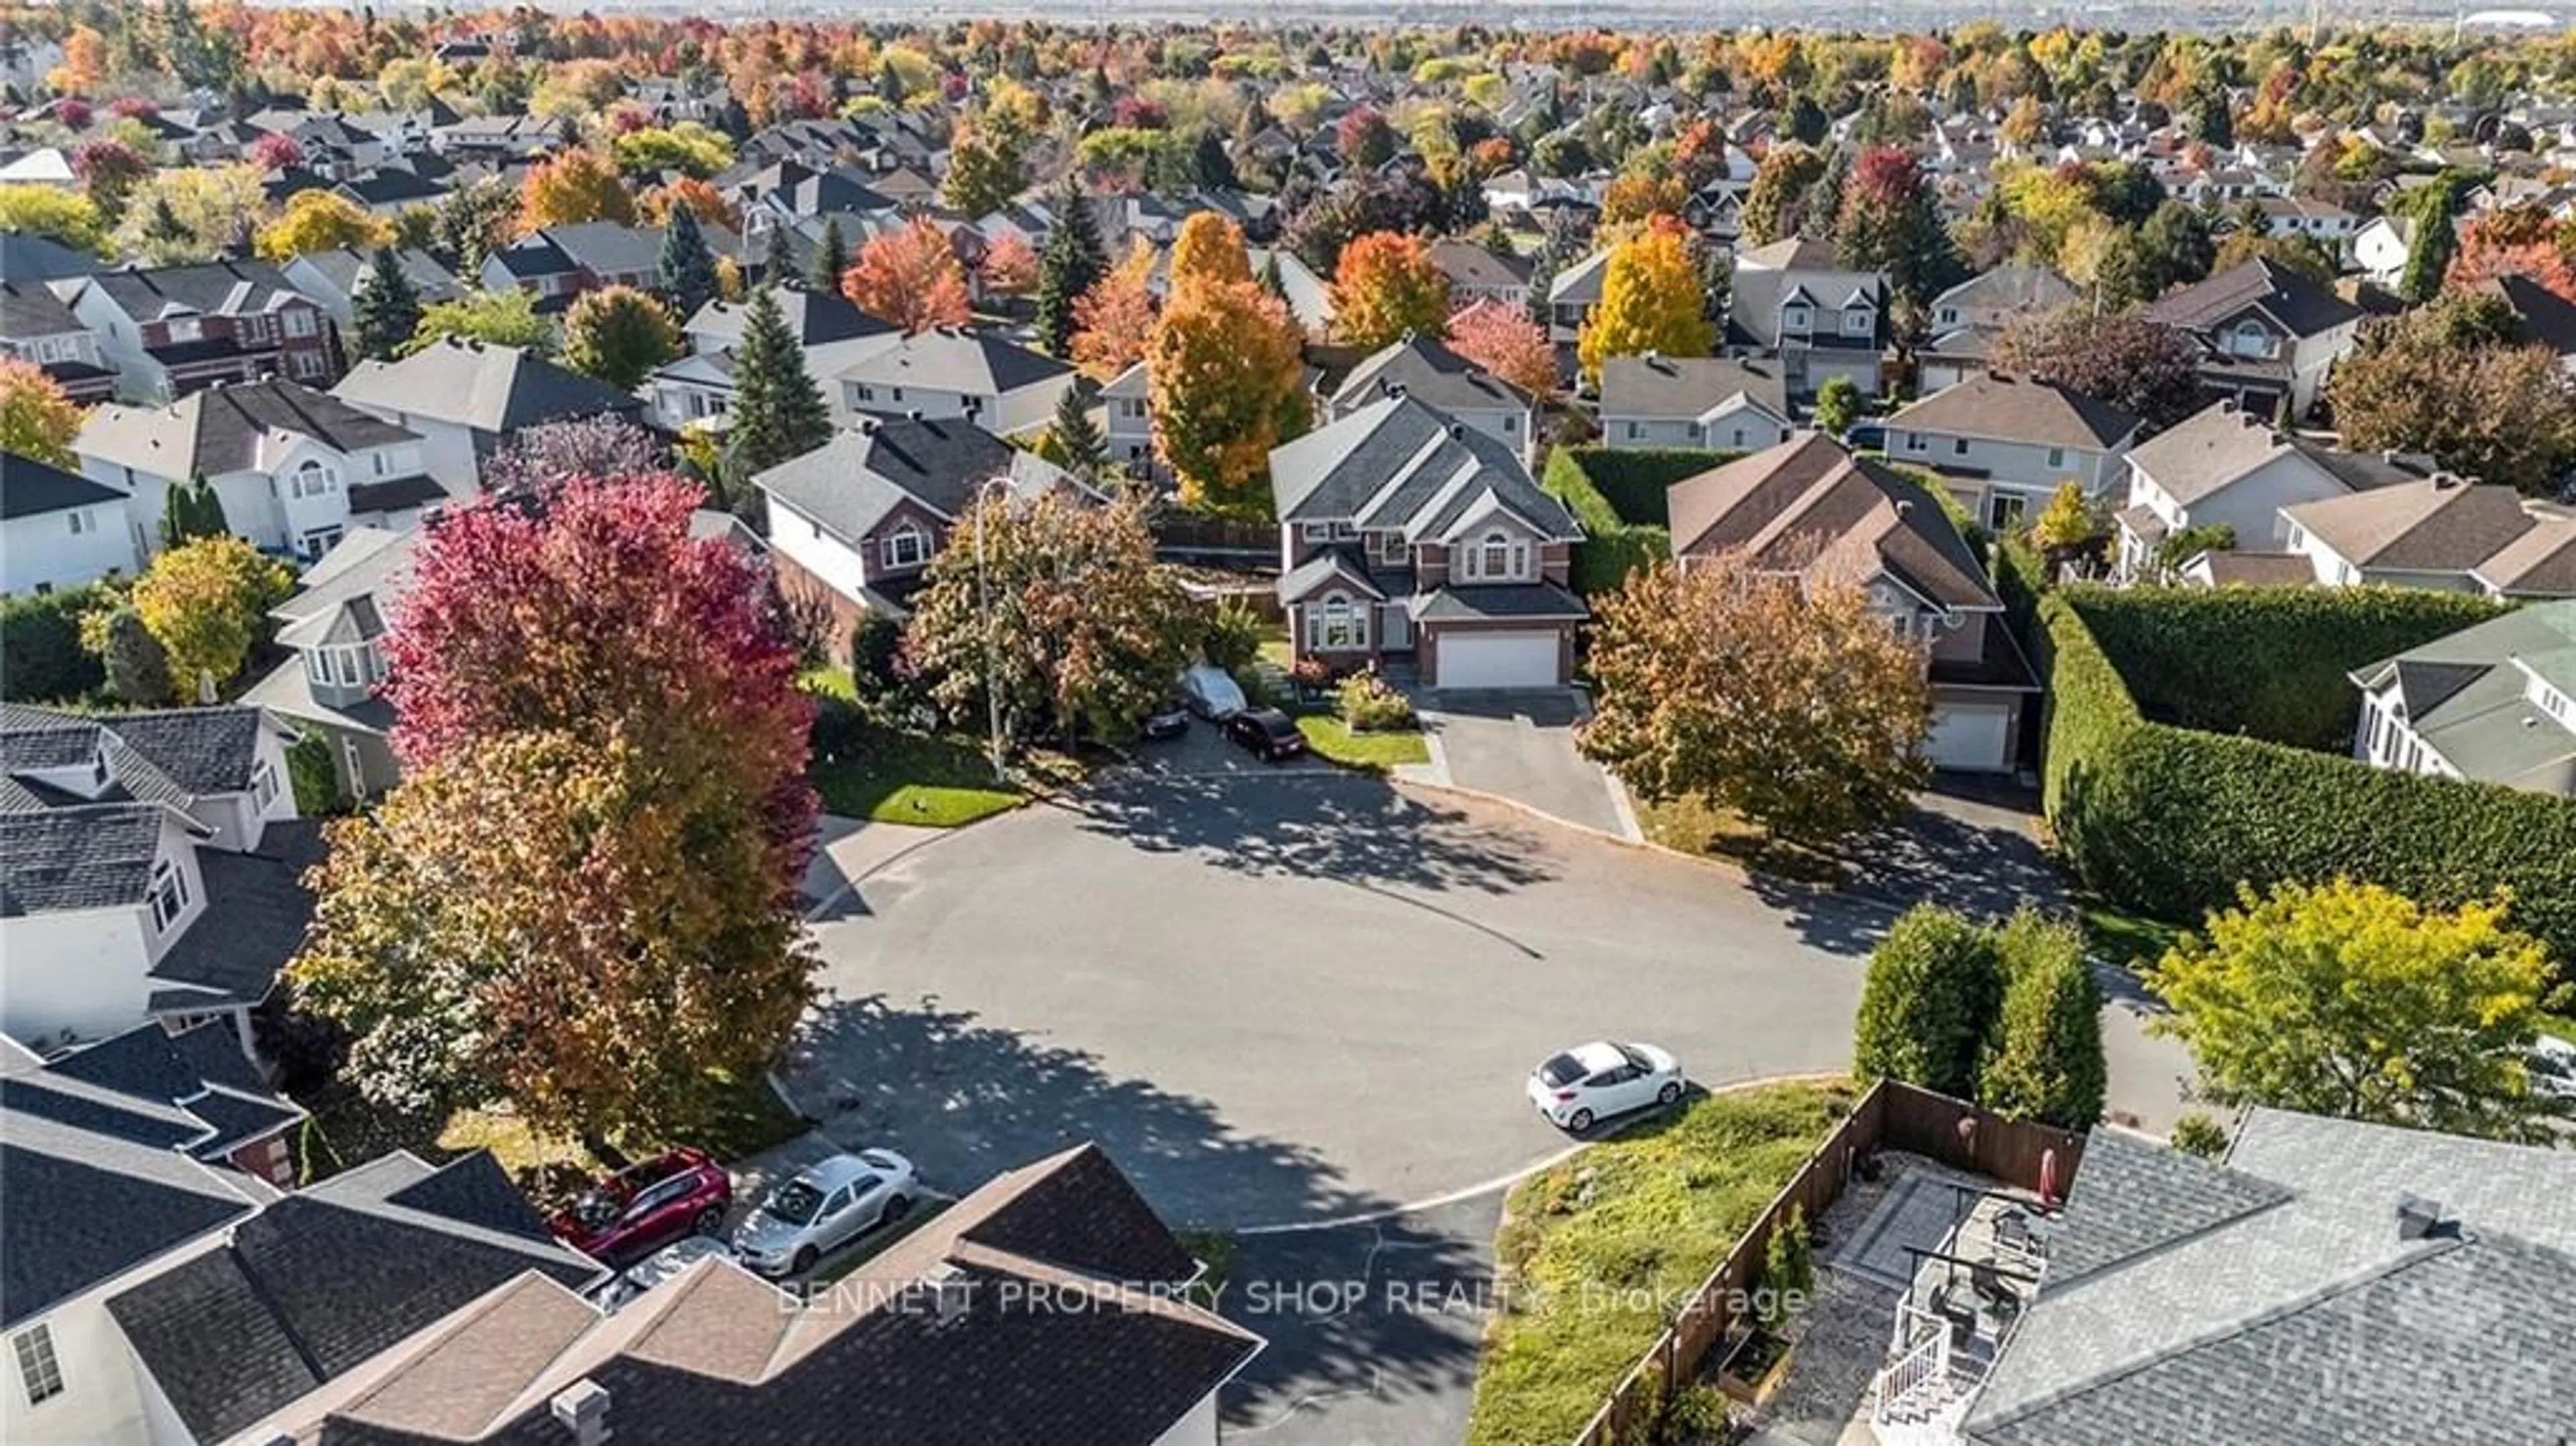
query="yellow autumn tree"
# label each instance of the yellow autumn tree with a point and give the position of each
(321, 221)
(1651, 300)
(1385, 287)
(577, 185)
(1225, 372)
(204, 601)
(1209, 248)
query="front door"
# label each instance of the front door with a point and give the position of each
(1394, 628)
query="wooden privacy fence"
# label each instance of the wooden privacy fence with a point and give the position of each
(1187, 533)
(1891, 1116)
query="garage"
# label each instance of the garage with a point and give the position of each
(1971, 737)
(1497, 660)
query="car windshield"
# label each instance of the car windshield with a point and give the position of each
(599, 1208)
(1637, 1058)
(1275, 724)
(794, 1202)
(1561, 1071)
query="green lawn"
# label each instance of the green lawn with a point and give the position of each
(1693, 826)
(1596, 1253)
(1333, 741)
(2131, 941)
(890, 775)
(2561, 1025)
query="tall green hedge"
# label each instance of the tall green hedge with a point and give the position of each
(1612, 547)
(1633, 480)
(41, 657)
(2168, 822)
(2270, 662)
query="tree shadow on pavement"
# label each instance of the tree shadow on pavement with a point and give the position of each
(1967, 845)
(1354, 829)
(1373, 1329)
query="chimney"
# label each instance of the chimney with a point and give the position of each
(582, 1409)
(2417, 1217)
(951, 1290)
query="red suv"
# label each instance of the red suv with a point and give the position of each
(639, 1210)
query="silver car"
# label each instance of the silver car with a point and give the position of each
(823, 1207)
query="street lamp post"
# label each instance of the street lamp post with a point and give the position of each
(984, 619)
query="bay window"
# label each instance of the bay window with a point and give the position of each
(1336, 625)
(1496, 557)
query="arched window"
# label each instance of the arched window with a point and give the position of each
(1336, 624)
(907, 546)
(312, 479)
(1497, 557)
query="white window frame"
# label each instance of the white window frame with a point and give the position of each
(907, 539)
(354, 760)
(321, 540)
(1999, 503)
(1478, 559)
(1337, 624)
(169, 895)
(2057, 456)
(185, 329)
(263, 785)
(1797, 318)
(310, 479)
(1860, 323)
(84, 521)
(40, 1371)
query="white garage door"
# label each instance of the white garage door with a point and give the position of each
(1974, 737)
(1497, 660)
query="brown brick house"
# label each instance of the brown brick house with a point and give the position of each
(1405, 533)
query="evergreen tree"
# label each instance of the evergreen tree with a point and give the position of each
(386, 311)
(1069, 266)
(778, 413)
(2429, 252)
(1717, 278)
(1543, 279)
(777, 265)
(687, 272)
(193, 511)
(1272, 280)
(1079, 445)
(1820, 210)
(138, 671)
(831, 258)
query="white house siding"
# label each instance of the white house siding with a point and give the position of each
(1809, 370)
(2380, 252)
(1012, 413)
(796, 537)
(446, 451)
(1737, 429)
(75, 975)
(107, 1399)
(42, 551)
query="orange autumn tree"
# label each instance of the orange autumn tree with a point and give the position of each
(577, 185)
(1114, 320)
(2490, 251)
(1503, 340)
(1386, 286)
(1010, 265)
(910, 276)
(1226, 367)
(702, 199)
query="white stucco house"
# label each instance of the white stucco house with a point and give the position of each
(294, 468)
(2002, 445)
(58, 528)
(2226, 467)
(948, 371)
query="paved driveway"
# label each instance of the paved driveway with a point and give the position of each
(1520, 746)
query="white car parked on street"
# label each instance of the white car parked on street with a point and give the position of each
(823, 1207)
(1597, 1080)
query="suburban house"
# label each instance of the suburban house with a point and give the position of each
(1045, 1306)
(194, 1092)
(36, 327)
(2003, 444)
(1424, 368)
(2495, 703)
(2225, 467)
(336, 623)
(150, 869)
(2541, 317)
(1792, 301)
(165, 1296)
(1721, 403)
(854, 523)
(949, 371)
(1807, 505)
(334, 278)
(1404, 532)
(172, 330)
(1966, 319)
(558, 263)
(2380, 247)
(1572, 293)
(58, 528)
(1127, 424)
(2268, 335)
(699, 387)
(2328, 1280)
(295, 468)
(464, 398)
(1476, 274)
(2436, 533)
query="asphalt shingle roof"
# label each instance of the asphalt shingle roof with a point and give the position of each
(2303, 305)
(107, 1206)
(2017, 409)
(257, 911)
(1403, 463)
(96, 857)
(29, 488)
(236, 428)
(857, 479)
(489, 388)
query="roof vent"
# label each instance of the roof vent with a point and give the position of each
(582, 1409)
(2417, 1217)
(914, 415)
(1457, 429)
(951, 1290)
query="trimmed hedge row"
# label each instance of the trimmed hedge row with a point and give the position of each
(2168, 822)
(2269, 662)
(1633, 480)
(1612, 547)
(41, 657)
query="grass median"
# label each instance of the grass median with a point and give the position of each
(1597, 1252)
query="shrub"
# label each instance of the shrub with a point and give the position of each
(2196, 1133)
(838, 727)
(1369, 703)
(2166, 822)
(138, 671)
(1613, 546)
(1928, 1003)
(41, 657)
(1632, 482)
(2271, 662)
(310, 773)
(2047, 1063)
(877, 671)
(1234, 636)
(1788, 1267)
